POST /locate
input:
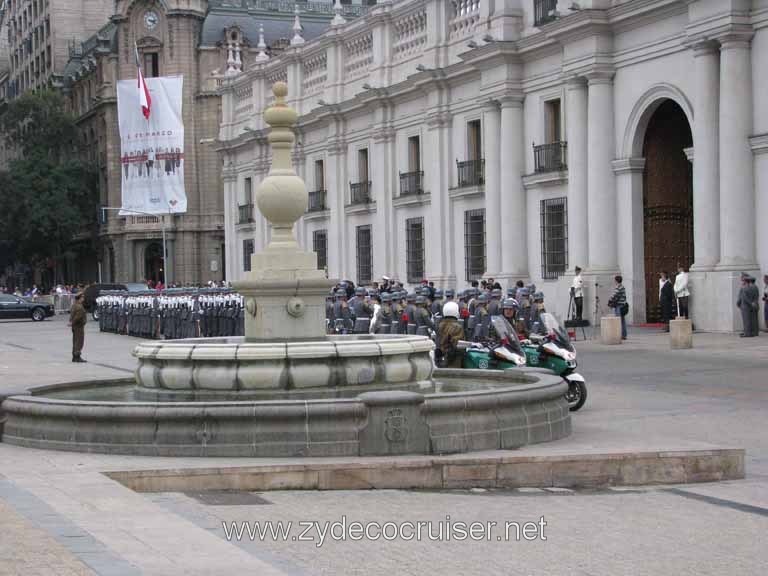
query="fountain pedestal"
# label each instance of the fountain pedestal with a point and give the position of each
(284, 292)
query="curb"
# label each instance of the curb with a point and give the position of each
(492, 471)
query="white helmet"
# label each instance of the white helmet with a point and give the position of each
(451, 309)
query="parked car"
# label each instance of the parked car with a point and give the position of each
(16, 307)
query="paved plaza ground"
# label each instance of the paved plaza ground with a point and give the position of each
(60, 515)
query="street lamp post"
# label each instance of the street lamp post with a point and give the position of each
(165, 249)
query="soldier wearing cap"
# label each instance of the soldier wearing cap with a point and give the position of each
(423, 318)
(77, 319)
(482, 318)
(437, 304)
(749, 304)
(494, 306)
(361, 311)
(408, 317)
(342, 319)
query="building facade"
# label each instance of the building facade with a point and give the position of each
(518, 139)
(205, 42)
(39, 33)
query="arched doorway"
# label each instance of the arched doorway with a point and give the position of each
(153, 262)
(667, 199)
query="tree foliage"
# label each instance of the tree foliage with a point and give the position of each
(49, 192)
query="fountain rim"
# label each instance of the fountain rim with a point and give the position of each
(540, 382)
(239, 348)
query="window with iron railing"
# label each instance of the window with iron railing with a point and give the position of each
(554, 237)
(360, 192)
(551, 157)
(474, 244)
(544, 12)
(364, 255)
(320, 247)
(245, 214)
(411, 183)
(317, 201)
(414, 249)
(471, 172)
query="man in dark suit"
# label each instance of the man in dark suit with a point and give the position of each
(666, 300)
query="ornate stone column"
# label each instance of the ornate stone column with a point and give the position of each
(601, 193)
(576, 135)
(513, 202)
(737, 191)
(491, 125)
(336, 196)
(284, 291)
(706, 169)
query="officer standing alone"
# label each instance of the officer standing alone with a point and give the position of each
(77, 320)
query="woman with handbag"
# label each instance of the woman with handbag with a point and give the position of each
(618, 302)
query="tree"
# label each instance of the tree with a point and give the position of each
(49, 193)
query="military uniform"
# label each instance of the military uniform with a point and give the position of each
(77, 319)
(448, 335)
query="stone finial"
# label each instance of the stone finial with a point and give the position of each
(282, 196)
(338, 19)
(262, 56)
(297, 40)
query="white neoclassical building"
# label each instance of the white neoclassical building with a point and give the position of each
(458, 139)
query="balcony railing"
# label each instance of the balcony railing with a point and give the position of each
(471, 172)
(551, 157)
(411, 183)
(245, 214)
(317, 201)
(360, 192)
(544, 12)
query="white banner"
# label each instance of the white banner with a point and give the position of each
(152, 150)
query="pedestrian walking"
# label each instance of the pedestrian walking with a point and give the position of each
(749, 304)
(682, 291)
(77, 320)
(666, 300)
(618, 302)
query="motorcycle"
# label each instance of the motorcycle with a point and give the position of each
(551, 348)
(500, 353)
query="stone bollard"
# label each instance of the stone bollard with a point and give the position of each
(610, 330)
(680, 334)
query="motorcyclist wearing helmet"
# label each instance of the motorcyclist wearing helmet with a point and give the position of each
(449, 333)
(510, 309)
(482, 318)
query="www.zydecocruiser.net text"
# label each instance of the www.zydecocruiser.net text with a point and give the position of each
(352, 531)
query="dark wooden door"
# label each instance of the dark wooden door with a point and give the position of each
(667, 200)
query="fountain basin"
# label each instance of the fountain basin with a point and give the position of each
(459, 411)
(193, 368)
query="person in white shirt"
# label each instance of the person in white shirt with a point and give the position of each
(682, 291)
(577, 291)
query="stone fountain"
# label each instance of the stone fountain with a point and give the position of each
(288, 389)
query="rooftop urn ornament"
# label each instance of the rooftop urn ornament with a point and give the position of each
(338, 19)
(262, 56)
(297, 40)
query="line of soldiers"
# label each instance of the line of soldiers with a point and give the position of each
(172, 314)
(420, 313)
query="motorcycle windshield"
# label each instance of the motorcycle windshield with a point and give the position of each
(505, 331)
(553, 327)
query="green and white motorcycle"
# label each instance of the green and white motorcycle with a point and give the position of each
(550, 347)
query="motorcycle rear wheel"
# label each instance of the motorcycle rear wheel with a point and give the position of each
(576, 395)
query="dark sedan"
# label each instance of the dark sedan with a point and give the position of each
(16, 307)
